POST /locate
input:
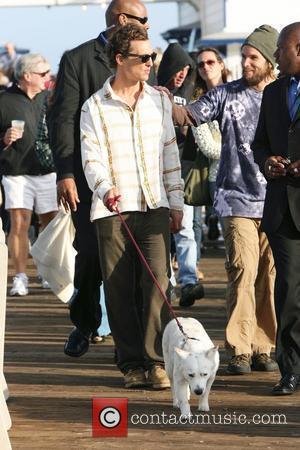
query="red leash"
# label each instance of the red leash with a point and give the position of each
(143, 259)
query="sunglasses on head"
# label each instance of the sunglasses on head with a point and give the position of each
(142, 20)
(42, 74)
(209, 62)
(144, 58)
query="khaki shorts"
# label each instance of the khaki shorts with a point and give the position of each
(31, 192)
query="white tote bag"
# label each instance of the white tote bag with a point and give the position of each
(54, 255)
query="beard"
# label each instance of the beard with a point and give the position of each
(254, 78)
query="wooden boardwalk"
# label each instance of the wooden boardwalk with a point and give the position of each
(50, 393)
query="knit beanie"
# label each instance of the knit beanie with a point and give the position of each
(264, 39)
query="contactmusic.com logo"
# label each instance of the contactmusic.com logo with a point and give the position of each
(110, 417)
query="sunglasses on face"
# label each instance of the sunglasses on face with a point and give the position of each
(144, 58)
(209, 62)
(142, 20)
(42, 74)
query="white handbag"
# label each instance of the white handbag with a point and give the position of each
(54, 255)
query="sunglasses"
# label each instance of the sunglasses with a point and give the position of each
(42, 74)
(142, 20)
(144, 58)
(209, 62)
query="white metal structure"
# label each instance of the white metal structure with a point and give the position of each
(19, 3)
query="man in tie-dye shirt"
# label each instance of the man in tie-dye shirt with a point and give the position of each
(239, 199)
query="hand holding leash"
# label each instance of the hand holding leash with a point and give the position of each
(111, 199)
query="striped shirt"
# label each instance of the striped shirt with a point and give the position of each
(133, 150)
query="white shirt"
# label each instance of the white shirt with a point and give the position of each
(134, 150)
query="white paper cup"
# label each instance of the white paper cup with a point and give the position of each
(19, 124)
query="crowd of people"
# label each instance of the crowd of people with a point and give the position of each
(118, 135)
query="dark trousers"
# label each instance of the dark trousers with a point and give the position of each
(285, 244)
(137, 326)
(85, 310)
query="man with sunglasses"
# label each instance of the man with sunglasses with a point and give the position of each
(239, 199)
(82, 72)
(131, 161)
(27, 182)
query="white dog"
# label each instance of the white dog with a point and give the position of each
(191, 364)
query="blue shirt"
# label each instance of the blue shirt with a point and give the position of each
(240, 186)
(102, 38)
(294, 96)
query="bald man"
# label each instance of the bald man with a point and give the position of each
(277, 151)
(83, 71)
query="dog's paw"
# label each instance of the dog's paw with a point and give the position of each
(203, 407)
(175, 403)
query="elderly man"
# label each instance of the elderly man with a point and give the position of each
(128, 161)
(277, 151)
(239, 199)
(28, 183)
(82, 72)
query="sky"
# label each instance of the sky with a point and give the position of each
(51, 31)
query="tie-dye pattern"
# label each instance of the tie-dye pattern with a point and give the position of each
(240, 185)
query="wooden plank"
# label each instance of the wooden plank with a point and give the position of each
(51, 394)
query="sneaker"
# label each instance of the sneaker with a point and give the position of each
(135, 378)
(157, 378)
(20, 285)
(213, 230)
(263, 362)
(239, 364)
(190, 293)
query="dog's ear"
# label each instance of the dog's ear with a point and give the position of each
(182, 353)
(212, 351)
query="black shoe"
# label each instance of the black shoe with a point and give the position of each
(77, 344)
(263, 362)
(239, 364)
(190, 293)
(213, 230)
(287, 385)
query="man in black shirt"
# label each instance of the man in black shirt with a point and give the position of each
(27, 182)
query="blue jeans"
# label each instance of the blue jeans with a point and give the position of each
(197, 226)
(186, 249)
